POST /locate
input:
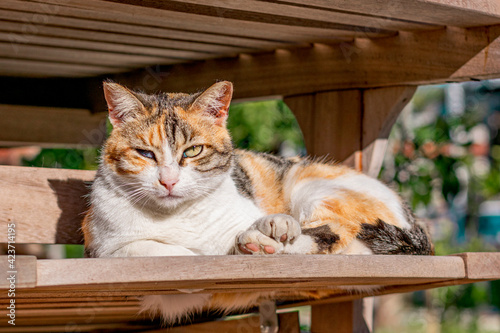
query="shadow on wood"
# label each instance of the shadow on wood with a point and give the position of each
(71, 199)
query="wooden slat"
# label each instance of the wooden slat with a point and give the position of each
(198, 270)
(77, 56)
(57, 42)
(447, 12)
(482, 265)
(42, 69)
(362, 22)
(409, 58)
(172, 20)
(23, 268)
(45, 204)
(41, 125)
(207, 43)
(113, 327)
(99, 29)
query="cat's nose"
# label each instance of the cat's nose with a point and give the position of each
(169, 183)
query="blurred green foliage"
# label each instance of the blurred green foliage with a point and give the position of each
(83, 159)
(264, 126)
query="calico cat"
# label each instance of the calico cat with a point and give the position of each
(171, 183)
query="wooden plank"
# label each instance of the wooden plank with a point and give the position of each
(77, 56)
(172, 19)
(17, 272)
(482, 265)
(63, 327)
(207, 43)
(447, 12)
(45, 204)
(361, 22)
(407, 59)
(34, 68)
(373, 157)
(42, 125)
(57, 42)
(198, 270)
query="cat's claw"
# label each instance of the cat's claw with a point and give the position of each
(268, 235)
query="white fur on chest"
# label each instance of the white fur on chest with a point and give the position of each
(206, 226)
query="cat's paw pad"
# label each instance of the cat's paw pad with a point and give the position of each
(255, 242)
(280, 227)
(267, 235)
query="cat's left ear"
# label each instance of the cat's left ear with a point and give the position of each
(122, 103)
(215, 101)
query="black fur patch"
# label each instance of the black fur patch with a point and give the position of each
(383, 238)
(242, 180)
(323, 236)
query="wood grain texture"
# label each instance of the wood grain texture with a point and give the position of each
(337, 123)
(42, 125)
(330, 122)
(149, 13)
(20, 31)
(407, 59)
(41, 69)
(23, 268)
(381, 108)
(466, 13)
(45, 204)
(482, 265)
(198, 271)
(343, 317)
(309, 13)
(101, 310)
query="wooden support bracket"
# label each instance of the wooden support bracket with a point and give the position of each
(350, 125)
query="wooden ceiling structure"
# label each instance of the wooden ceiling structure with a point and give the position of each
(346, 68)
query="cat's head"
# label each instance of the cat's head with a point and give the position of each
(168, 148)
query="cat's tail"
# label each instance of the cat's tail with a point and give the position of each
(384, 238)
(174, 309)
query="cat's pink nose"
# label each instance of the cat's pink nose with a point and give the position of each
(169, 183)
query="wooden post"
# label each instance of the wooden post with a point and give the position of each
(344, 317)
(350, 126)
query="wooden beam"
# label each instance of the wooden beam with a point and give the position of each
(406, 59)
(51, 126)
(445, 12)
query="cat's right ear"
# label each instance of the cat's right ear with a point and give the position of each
(122, 103)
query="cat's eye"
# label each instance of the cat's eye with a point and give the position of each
(147, 153)
(192, 151)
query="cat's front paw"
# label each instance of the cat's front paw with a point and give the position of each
(268, 235)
